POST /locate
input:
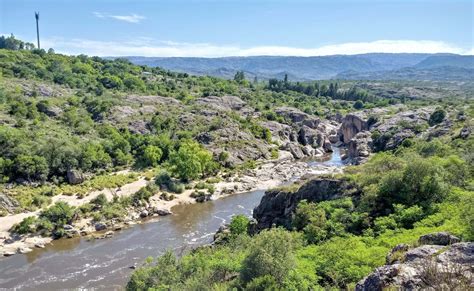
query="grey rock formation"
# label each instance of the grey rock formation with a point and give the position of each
(298, 116)
(51, 111)
(278, 206)
(430, 267)
(465, 132)
(438, 238)
(7, 203)
(100, 226)
(144, 213)
(359, 147)
(75, 176)
(394, 255)
(351, 125)
(224, 103)
(295, 149)
(281, 133)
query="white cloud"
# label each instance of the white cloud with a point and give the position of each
(132, 18)
(148, 47)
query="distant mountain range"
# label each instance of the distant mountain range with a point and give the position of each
(376, 66)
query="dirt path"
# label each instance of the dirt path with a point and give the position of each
(8, 221)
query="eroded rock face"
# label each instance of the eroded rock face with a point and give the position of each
(351, 125)
(359, 147)
(296, 150)
(307, 135)
(278, 206)
(429, 267)
(241, 145)
(281, 133)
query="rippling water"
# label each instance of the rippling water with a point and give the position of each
(105, 264)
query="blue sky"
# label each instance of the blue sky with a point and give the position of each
(213, 28)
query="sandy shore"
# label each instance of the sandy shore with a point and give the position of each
(266, 176)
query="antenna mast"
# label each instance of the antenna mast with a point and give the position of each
(37, 15)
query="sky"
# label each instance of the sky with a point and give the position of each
(216, 28)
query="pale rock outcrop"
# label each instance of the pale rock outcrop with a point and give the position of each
(298, 116)
(7, 203)
(359, 147)
(351, 125)
(295, 149)
(442, 266)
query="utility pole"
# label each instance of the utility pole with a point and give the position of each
(37, 15)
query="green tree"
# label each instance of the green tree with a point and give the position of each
(239, 224)
(239, 77)
(191, 161)
(31, 167)
(152, 155)
(272, 253)
(358, 105)
(437, 116)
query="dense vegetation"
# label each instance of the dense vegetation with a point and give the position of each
(419, 188)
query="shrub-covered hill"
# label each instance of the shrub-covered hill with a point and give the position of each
(65, 116)
(60, 113)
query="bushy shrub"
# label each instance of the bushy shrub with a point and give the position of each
(437, 116)
(176, 187)
(27, 225)
(239, 224)
(163, 178)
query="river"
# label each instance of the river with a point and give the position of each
(105, 264)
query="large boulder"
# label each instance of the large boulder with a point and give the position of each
(309, 136)
(430, 267)
(281, 133)
(241, 145)
(351, 125)
(295, 149)
(465, 132)
(438, 238)
(75, 177)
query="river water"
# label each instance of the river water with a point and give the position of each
(105, 264)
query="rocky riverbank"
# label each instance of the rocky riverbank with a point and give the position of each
(267, 175)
